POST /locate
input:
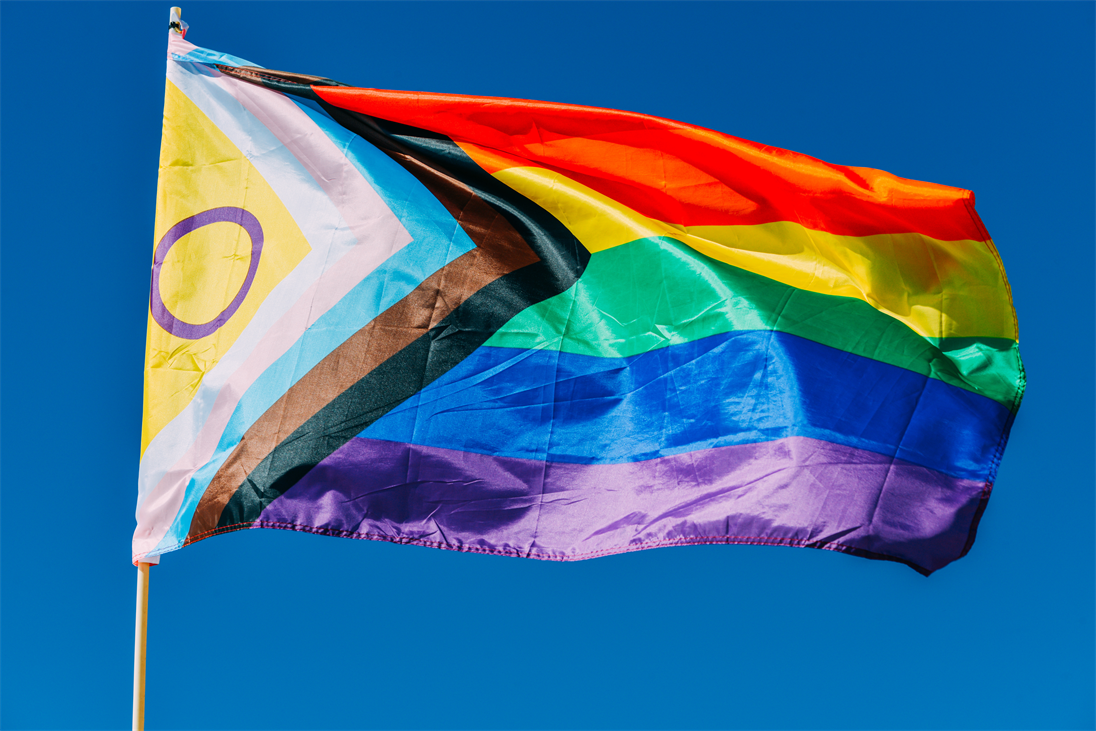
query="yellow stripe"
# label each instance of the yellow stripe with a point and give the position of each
(938, 288)
(200, 168)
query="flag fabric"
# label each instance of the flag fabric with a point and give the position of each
(553, 331)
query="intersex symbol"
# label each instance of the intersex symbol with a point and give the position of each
(225, 214)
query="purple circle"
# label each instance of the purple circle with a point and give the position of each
(225, 214)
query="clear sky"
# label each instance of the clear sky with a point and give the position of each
(275, 630)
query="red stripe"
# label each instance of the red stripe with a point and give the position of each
(675, 172)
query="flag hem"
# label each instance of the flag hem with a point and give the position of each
(744, 540)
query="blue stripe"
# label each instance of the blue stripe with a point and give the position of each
(734, 388)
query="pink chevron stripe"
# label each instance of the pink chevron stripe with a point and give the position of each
(379, 235)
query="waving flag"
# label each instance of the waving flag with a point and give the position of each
(554, 331)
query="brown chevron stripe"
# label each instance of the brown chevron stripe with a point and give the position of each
(500, 249)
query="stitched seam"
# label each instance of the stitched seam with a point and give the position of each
(464, 548)
(242, 71)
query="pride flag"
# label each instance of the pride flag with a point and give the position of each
(553, 331)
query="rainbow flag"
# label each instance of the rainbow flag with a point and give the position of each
(553, 331)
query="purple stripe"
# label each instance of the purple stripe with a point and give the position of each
(796, 491)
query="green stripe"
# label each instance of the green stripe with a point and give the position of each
(656, 292)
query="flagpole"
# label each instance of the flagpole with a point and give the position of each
(140, 636)
(175, 20)
(140, 646)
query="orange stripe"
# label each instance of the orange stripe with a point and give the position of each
(936, 288)
(676, 172)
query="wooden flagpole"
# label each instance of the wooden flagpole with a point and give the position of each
(140, 645)
(140, 637)
(175, 20)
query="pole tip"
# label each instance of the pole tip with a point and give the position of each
(175, 20)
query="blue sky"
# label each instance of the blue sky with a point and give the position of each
(273, 630)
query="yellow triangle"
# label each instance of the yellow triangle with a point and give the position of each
(203, 272)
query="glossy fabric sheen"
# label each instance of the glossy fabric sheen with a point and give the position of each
(543, 330)
(918, 286)
(795, 492)
(735, 388)
(656, 292)
(676, 172)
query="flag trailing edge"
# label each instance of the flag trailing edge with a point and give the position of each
(554, 331)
